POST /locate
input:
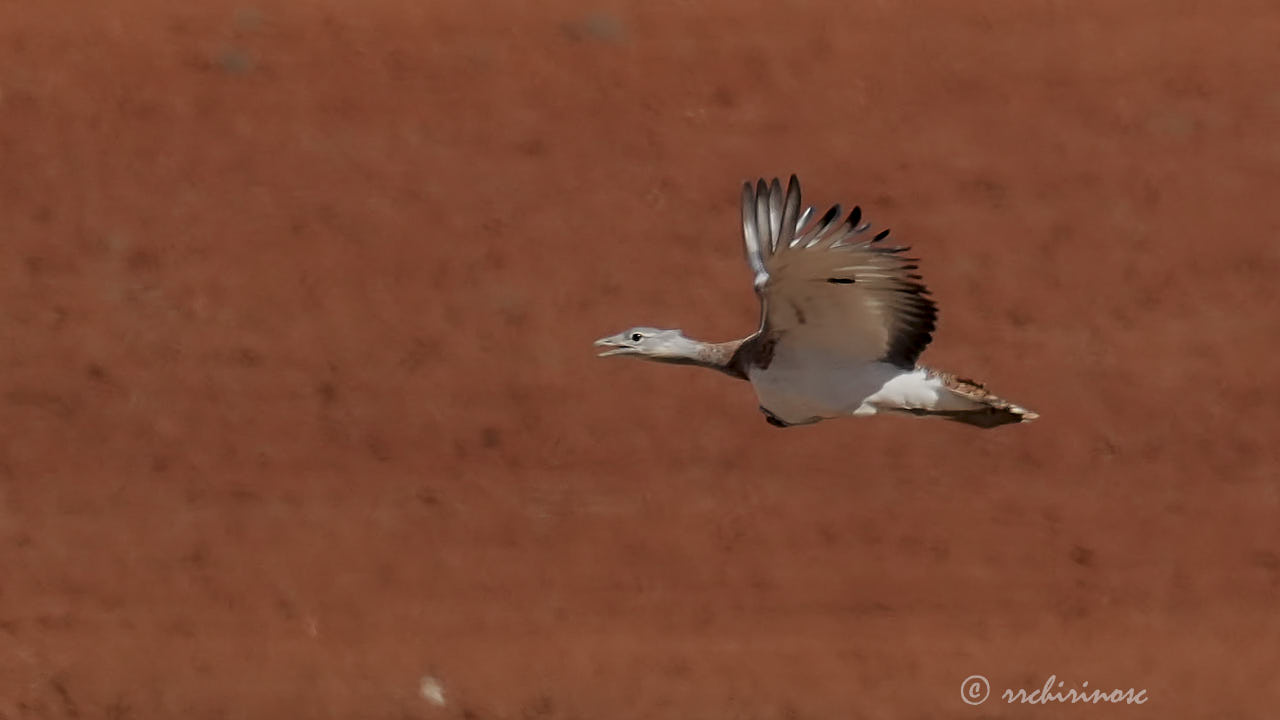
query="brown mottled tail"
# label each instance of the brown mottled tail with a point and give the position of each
(989, 411)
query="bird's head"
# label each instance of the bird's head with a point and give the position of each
(648, 343)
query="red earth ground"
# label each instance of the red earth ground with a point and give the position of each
(300, 405)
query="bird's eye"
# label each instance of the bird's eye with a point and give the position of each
(636, 337)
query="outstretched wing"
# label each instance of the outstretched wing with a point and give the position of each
(829, 285)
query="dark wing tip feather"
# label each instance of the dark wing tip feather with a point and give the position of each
(775, 211)
(751, 236)
(770, 217)
(915, 335)
(917, 314)
(917, 320)
(827, 222)
(790, 213)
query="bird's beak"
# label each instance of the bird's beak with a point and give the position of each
(617, 342)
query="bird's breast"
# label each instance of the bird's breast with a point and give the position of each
(797, 388)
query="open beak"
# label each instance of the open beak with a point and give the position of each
(617, 342)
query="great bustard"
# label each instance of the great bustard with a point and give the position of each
(843, 319)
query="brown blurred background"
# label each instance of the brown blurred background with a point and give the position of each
(300, 407)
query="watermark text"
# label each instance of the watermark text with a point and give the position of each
(976, 689)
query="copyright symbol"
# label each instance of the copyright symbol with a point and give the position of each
(974, 690)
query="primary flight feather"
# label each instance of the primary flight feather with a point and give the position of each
(843, 320)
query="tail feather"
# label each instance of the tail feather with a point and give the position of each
(987, 410)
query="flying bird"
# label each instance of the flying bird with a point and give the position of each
(843, 320)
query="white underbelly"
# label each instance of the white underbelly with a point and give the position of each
(803, 390)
